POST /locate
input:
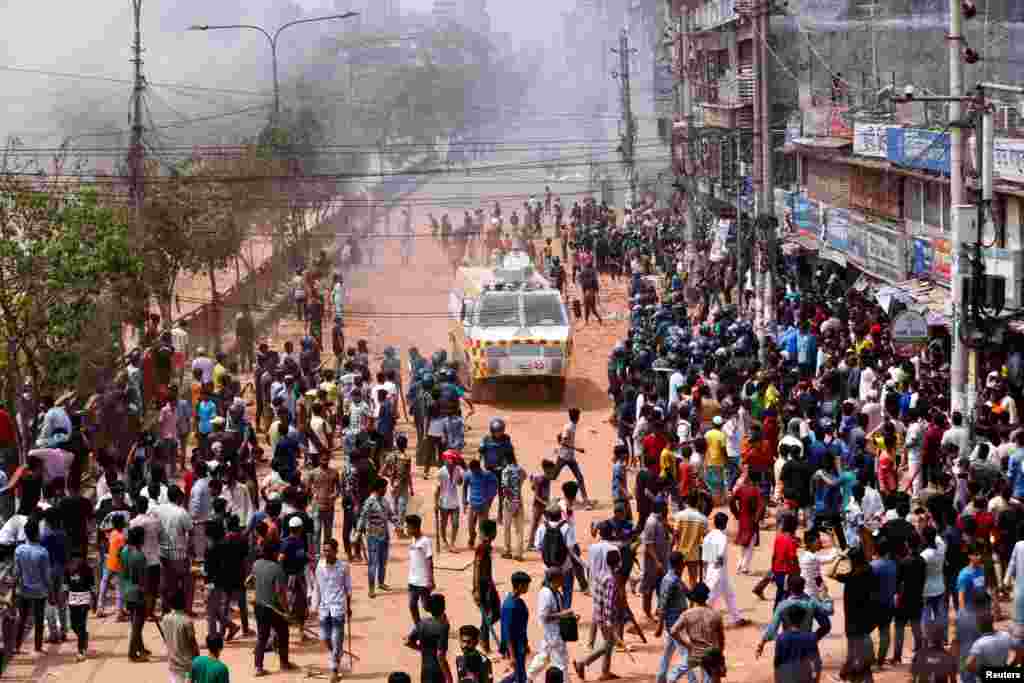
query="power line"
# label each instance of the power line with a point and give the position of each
(128, 81)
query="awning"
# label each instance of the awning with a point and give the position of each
(796, 242)
(922, 296)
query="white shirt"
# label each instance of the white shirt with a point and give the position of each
(733, 437)
(450, 485)
(333, 588)
(867, 381)
(810, 570)
(568, 534)
(675, 382)
(934, 559)
(161, 497)
(13, 530)
(713, 550)
(597, 556)
(872, 508)
(206, 365)
(239, 502)
(420, 551)
(150, 524)
(548, 604)
(318, 425)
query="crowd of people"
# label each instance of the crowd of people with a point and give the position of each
(156, 496)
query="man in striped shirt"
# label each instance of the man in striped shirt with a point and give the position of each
(374, 520)
(607, 615)
(175, 545)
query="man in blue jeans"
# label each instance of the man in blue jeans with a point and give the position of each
(374, 525)
(515, 617)
(334, 583)
(671, 603)
(481, 489)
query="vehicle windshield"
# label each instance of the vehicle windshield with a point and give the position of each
(499, 310)
(544, 310)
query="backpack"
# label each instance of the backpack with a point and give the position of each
(554, 551)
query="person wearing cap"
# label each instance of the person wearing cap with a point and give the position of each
(715, 459)
(714, 554)
(552, 650)
(698, 630)
(294, 559)
(515, 618)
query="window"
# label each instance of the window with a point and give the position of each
(933, 213)
(912, 200)
(544, 310)
(499, 310)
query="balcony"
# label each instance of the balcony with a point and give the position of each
(714, 13)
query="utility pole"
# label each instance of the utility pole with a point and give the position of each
(958, 356)
(739, 223)
(873, 10)
(763, 124)
(629, 135)
(136, 151)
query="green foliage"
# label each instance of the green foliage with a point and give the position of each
(63, 257)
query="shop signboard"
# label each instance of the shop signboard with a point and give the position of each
(942, 260)
(886, 254)
(909, 327)
(871, 139)
(858, 246)
(805, 213)
(922, 260)
(909, 333)
(835, 229)
(918, 148)
(1008, 159)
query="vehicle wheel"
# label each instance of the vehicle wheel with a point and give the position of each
(556, 388)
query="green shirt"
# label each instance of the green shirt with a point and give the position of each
(133, 574)
(209, 670)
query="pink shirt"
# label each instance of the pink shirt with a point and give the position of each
(168, 423)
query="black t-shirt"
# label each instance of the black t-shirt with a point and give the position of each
(898, 531)
(75, 512)
(860, 601)
(796, 481)
(432, 637)
(910, 577)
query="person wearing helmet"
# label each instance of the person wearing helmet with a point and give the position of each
(494, 451)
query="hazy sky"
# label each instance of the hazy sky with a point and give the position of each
(95, 38)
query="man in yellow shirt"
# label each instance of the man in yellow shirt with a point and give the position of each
(715, 459)
(219, 372)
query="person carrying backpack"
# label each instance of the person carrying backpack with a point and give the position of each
(555, 538)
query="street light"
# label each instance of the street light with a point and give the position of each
(272, 39)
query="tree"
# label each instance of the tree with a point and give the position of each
(65, 261)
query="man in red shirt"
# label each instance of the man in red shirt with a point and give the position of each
(8, 442)
(653, 444)
(931, 448)
(784, 557)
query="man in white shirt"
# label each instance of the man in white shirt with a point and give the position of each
(205, 364)
(421, 566)
(447, 501)
(338, 297)
(552, 651)
(675, 384)
(334, 602)
(867, 382)
(716, 567)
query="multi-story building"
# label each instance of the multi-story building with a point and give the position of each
(716, 142)
(872, 196)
